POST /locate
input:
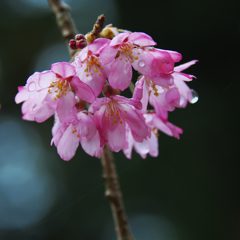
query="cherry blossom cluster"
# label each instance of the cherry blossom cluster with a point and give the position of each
(84, 96)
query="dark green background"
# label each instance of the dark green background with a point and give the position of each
(193, 186)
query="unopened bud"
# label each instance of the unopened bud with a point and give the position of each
(79, 37)
(72, 44)
(108, 91)
(80, 44)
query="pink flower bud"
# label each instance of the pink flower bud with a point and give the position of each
(80, 44)
(72, 44)
(79, 37)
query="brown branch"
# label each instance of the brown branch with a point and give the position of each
(114, 196)
(64, 21)
(97, 28)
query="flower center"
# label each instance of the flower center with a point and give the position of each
(112, 113)
(60, 87)
(127, 48)
(93, 66)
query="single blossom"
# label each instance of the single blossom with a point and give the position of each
(81, 127)
(112, 114)
(165, 93)
(179, 81)
(124, 52)
(88, 68)
(51, 91)
(150, 145)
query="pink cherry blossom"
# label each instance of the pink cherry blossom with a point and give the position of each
(123, 53)
(164, 60)
(150, 145)
(88, 68)
(112, 114)
(179, 81)
(80, 128)
(51, 91)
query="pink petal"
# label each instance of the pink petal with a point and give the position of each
(86, 125)
(185, 92)
(163, 80)
(63, 69)
(82, 56)
(96, 105)
(58, 133)
(119, 39)
(164, 62)
(107, 54)
(181, 77)
(23, 94)
(172, 96)
(56, 125)
(135, 121)
(46, 78)
(43, 112)
(141, 39)
(116, 137)
(32, 82)
(95, 80)
(65, 106)
(128, 145)
(121, 73)
(184, 66)
(144, 63)
(68, 144)
(157, 122)
(175, 130)
(176, 56)
(97, 44)
(92, 146)
(133, 102)
(82, 90)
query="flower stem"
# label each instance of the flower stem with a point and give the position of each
(114, 195)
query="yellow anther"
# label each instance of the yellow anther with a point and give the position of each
(162, 87)
(168, 88)
(131, 61)
(100, 74)
(120, 122)
(138, 53)
(120, 58)
(125, 111)
(101, 67)
(136, 58)
(74, 131)
(91, 73)
(112, 123)
(78, 136)
(87, 75)
(160, 65)
(55, 99)
(126, 60)
(85, 70)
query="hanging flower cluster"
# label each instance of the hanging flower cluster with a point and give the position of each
(99, 71)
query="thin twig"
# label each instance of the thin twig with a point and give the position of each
(64, 21)
(114, 196)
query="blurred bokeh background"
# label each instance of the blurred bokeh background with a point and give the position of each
(191, 191)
